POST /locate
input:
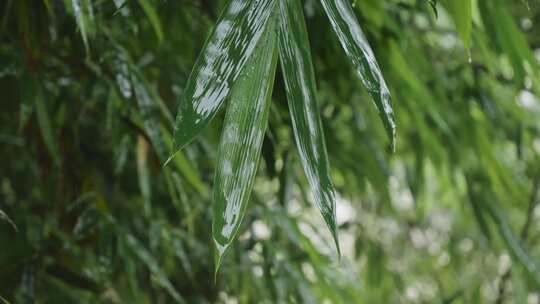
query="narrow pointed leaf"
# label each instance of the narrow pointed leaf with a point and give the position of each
(5, 217)
(241, 141)
(153, 18)
(514, 245)
(146, 257)
(149, 111)
(224, 55)
(297, 67)
(461, 13)
(356, 46)
(82, 10)
(33, 91)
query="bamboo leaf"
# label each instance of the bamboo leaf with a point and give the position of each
(224, 55)
(461, 13)
(149, 111)
(183, 165)
(514, 245)
(153, 18)
(32, 90)
(241, 141)
(82, 9)
(299, 78)
(356, 46)
(5, 217)
(148, 259)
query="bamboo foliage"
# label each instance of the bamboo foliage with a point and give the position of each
(263, 112)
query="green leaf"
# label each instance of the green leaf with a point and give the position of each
(220, 62)
(148, 259)
(241, 141)
(299, 78)
(507, 37)
(149, 111)
(32, 90)
(5, 217)
(153, 18)
(356, 46)
(185, 167)
(82, 9)
(514, 244)
(461, 13)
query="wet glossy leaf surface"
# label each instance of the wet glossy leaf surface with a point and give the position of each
(241, 141)
(299, 78)
(224, 55)
(356, 46)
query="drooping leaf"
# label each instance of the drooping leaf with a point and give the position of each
(5, 217)
(183, 164)
(224, 55)
(514, 245)
(461, 13)
(149, 113)
(33, 91)
(82, 9)
(356, 46)
(299, 78)
(507, 36)
(153, 18)
(148, 259)
(241, 141)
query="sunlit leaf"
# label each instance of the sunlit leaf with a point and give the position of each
(299, 78)
(241, 140)
(356, 46)
(224, 55)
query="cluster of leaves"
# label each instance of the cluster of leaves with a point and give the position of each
(88, 212)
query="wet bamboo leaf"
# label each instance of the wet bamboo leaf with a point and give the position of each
(299, 78)
(224, 55)
(242, 137)
(356, 46)
(461, 13)
(153, 18)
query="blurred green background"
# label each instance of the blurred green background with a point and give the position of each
(88, 213)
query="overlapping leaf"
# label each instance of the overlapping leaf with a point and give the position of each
(224, 55)
(242, 137)
(299, 78)
(356, 46)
